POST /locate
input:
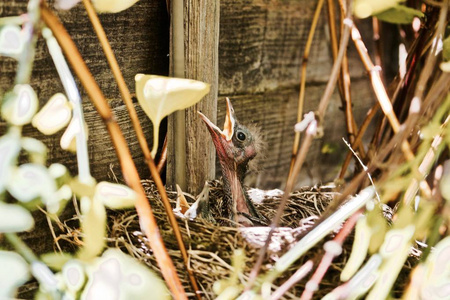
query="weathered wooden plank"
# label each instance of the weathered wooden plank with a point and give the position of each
(201, 38)
(275, 113)
(262, 41)
(261, 48)
(139, 38)
(140, 43)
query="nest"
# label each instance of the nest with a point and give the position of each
(211, 246)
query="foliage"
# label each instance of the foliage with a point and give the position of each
(408, 161)
(30, 185)
(160, 96)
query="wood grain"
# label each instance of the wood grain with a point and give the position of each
(275, 112)
(201, 38)
(260, 54)
(139, 38)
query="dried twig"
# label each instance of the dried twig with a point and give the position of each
(333, 249)
(147, 219)
(301, 155)
(126, 96)
(301, 96)
(344, 79)
(383, 98)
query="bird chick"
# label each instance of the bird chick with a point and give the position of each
(236, 146)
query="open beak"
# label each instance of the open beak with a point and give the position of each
(228, 127)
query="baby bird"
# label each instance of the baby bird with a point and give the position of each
(236, 146)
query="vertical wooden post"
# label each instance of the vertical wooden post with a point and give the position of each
(191, 154)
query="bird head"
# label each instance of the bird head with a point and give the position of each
(236, 146)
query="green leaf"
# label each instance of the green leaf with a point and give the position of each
(115, 196)
(57, 203)
(437, 266)
(14, 218)
(363, 233)
(74, 275)
(160, 96)
(68, 139)
(36, 149)
(11, 43)
(366, 8)
(93, 226)
(118, 276)
(445, 66)
(9, 151)
(82, 189)
(59, 173)
(399, 15)
(31, 181)
(112, 6)
(446, 49)
(20, 105)
(55, 115)
(14, 272)
(55, 260)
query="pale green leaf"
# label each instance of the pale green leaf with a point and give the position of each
(399, 14)
(160, 96)
(366, 8)
(73, 275)
(93, 226)
(395, 251)
(36, 150)
(9, 150)
(55, 115)
(437, 265)
(15, 218)
(118, 276)
(83, 189)
(115, 196)
(11, 43)
(445, 67)
(31, 181)
(444, 184)
(57, 203)
(446, 49)
(56, 260)
(59, 173)
(360, 246)
(112, 6)
(20, 105)
(68, 139)
(14, 271)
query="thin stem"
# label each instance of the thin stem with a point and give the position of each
(301, 96)
(330, 254)
(344, 80)
(30, 37)
(300, 158)
(126, 96)
(383, 98)
(21, 247)
(301, 155)
(370, 115)
(72, 93)
(146, 218)
(298, 275)
(163, 158)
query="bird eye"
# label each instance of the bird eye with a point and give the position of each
(241, 136)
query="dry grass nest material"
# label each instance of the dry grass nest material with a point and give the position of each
(211, 246)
